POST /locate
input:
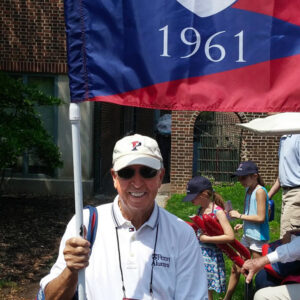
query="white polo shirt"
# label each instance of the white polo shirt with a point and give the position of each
(178, 271)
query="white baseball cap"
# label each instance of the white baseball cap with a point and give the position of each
(137, 150)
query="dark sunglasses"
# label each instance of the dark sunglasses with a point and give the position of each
(145, 172)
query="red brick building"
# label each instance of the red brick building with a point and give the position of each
(261, 149)
(33, 36)
(33, 46)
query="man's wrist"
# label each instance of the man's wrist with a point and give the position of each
(262, 261)
(240, 217)
(272, 257)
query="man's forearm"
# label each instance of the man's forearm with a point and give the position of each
(287, 252)
(63, 287)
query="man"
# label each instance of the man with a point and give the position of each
(141, 251)
(289, 180)
(284, 253)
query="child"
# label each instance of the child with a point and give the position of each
(254, 217)
(200, 192)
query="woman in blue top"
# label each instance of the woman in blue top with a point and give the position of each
(255, 217)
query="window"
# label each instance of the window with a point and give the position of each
(29, 164)
(217, 143)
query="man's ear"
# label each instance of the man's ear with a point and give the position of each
(114, 176)
(162, 174)
(113, 173)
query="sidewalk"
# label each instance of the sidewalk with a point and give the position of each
(164, 193)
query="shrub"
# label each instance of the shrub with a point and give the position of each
(21, 128)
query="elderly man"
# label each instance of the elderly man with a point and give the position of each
(285, 253)
(141, 251)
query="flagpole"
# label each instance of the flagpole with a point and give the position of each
(74, 115)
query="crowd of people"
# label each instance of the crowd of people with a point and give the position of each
(141, 251)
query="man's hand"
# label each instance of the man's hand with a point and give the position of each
(252, 266)
(77, 253)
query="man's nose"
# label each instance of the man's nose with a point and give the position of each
(137, 180)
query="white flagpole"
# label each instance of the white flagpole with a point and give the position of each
(74, 115)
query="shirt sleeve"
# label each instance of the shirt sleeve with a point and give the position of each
(191, 280)
(298, 145)
(287, 252)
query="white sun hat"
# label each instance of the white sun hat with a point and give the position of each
(277, 124)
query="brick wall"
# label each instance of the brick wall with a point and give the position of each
(263, 150)
(32, 36)
(181, 149)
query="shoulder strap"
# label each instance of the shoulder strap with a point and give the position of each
(93, 224)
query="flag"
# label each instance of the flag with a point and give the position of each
(208, 55)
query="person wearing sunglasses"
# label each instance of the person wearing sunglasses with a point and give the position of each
(140, 251)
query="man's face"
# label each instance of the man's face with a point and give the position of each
(137, 194)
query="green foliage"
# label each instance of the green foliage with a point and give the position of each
(235, 193)
(181, 209)
(21, 128)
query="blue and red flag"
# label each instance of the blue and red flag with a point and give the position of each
(209, 55)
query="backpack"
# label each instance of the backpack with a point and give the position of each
(91, 235)
(286, 272)
(271, 210)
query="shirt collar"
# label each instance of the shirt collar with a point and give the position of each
(120, 221)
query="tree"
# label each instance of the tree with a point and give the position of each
(21, 128)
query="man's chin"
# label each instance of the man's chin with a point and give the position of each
(139, 205)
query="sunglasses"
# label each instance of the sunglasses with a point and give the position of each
(145, 172)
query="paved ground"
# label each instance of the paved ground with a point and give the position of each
(164, 194)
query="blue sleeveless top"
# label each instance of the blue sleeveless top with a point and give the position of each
(254, 230)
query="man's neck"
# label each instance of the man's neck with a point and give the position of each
(136, 218)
